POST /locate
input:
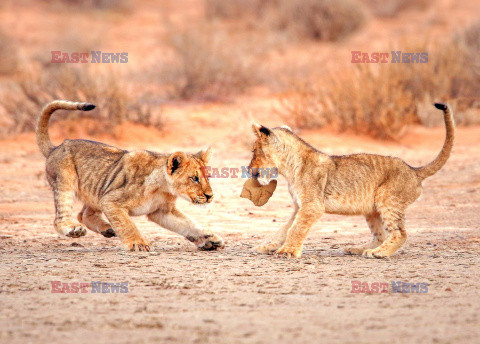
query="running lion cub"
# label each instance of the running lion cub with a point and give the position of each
(378, 187)
(119, 184)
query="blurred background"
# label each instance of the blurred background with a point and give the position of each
(208, 63)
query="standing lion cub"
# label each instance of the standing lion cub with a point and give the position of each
(120, 184)
(378, 187)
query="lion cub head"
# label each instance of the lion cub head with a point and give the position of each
(187, 176)
(264, 160)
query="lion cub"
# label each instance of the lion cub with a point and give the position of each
(378, 187)
(120, 184)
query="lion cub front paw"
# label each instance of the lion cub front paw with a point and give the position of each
(375, 253)
(138, 245)
(289, 252)
(109, 233)
(71, 229)
(354, 250)
(268, 248)
(212, 242)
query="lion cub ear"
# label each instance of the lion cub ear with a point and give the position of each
(260, 130)
(205, 154)
(175, 161)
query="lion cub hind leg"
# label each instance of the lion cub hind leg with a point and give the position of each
(92, 218)
(391, 201)
(394, 222)
(379, 235)
(64, 195)
(395, 240)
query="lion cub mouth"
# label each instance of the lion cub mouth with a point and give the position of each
(201, 201)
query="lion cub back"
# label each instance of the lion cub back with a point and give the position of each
(97, 165)
(352, 185)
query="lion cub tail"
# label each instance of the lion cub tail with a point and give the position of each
(43, 139)
(433, 167)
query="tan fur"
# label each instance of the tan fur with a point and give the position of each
(120, 184)
(378, 187)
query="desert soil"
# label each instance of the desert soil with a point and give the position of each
(180, 295)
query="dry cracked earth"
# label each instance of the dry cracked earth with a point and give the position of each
(180, 295)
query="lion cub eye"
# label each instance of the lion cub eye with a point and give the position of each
(195, 179)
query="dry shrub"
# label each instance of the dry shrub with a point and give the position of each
(382, 100)
(116, 5)
(366, 100)
(325, 20)
(208, 63)
(214, 59)
(452, 73)
(234, 9)
(471, 37)
(454, 76)
(391, 8)
(8, 54)
(33, 89)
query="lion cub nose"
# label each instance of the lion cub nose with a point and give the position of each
(209, 197)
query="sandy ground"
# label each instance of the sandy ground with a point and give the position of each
(181, 295)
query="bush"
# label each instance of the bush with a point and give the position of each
(116, 5)
(8, 54)
(366, 101)
(471, 38)
(391, 8)
(208, 63)
(382, 100)
(234, 9)
(325, 20)
(32, 89)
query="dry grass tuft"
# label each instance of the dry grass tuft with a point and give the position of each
(208, 63)
(324, 20)
(366, 100)
(235, 9)
(8, 54)
(215, 59)
(115, 5)
(382, 100)
(471, 37)
(391, 8)
(33, 89)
